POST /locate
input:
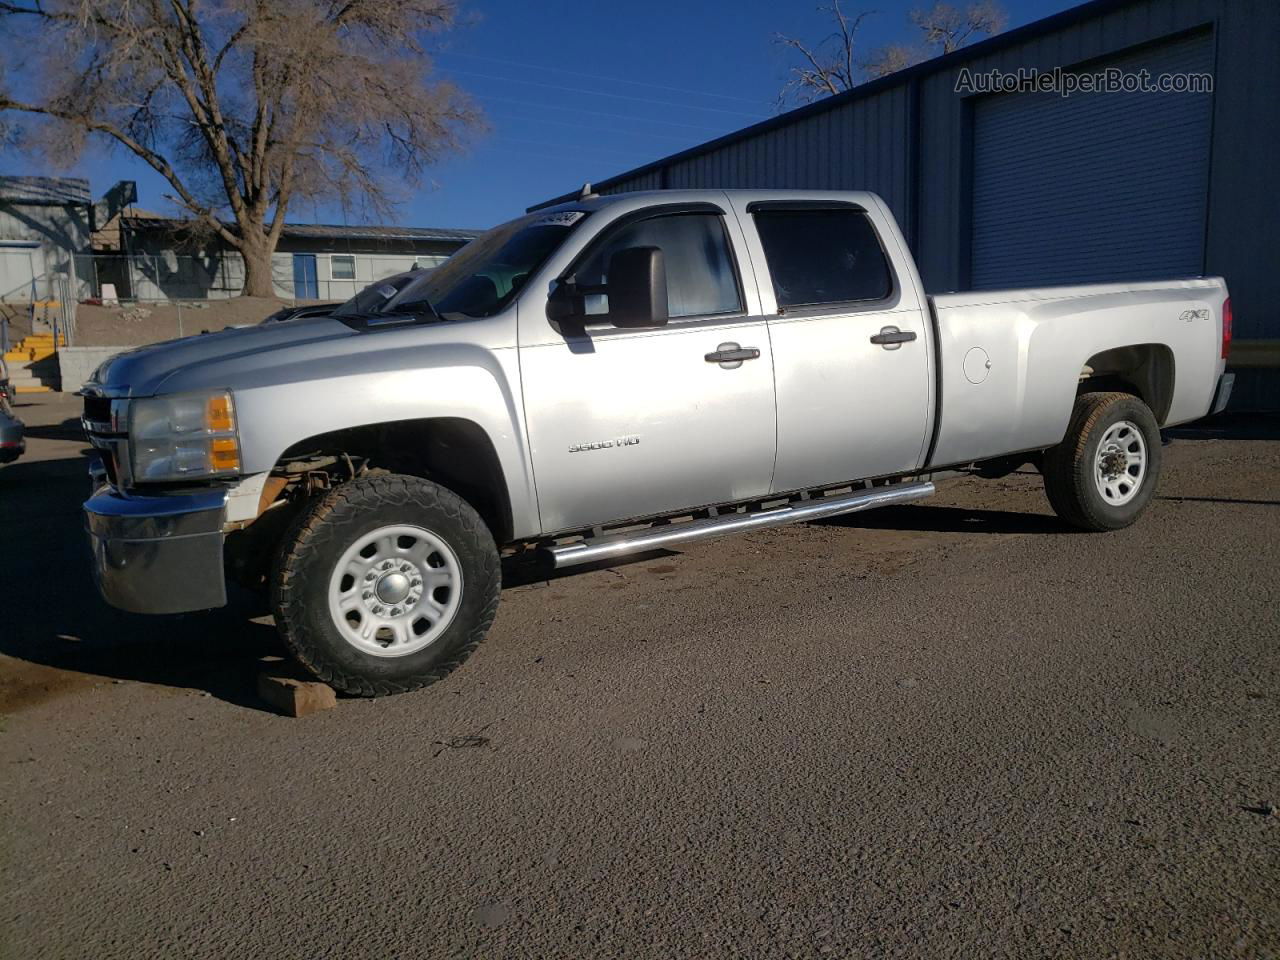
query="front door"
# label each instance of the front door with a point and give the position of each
(850, 347)
(629, 423)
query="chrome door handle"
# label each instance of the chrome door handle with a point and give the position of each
(891, 338)
(731, 353)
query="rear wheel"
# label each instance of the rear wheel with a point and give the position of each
(1104, 472)
(386, 584)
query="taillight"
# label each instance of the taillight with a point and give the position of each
(1226, 327)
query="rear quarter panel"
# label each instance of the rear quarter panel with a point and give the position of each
(1038, 341)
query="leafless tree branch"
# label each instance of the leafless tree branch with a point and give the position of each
(947, 28)
(244, 106)
(833, 66)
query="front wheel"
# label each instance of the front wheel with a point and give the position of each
(1104, 472)
(385, 585)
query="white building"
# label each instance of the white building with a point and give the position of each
(45, 224)
(161, 259)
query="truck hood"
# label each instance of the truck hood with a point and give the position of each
(176, 364)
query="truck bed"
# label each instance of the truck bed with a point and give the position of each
(1010, 361)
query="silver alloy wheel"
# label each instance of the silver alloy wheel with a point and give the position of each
(395, 590)
(1121, 463)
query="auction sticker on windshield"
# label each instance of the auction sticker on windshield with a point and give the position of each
(566, 218)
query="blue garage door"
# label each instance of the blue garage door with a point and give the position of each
(1095, 187)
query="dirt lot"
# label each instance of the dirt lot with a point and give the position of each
(953, 729)
(133, 324)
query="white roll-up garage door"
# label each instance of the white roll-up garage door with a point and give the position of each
(1094, 187)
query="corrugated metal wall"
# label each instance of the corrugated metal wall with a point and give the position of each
(1097, 187)
(947, 117)
(860, 145)
(867, 143)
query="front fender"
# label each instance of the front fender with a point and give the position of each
(461, 381)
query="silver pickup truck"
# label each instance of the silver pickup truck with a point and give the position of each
(604, 377)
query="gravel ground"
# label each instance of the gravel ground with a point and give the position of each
(140, 323)
(952, 729)
(134, 324)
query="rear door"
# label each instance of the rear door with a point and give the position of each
(630, 423)
(850, 344)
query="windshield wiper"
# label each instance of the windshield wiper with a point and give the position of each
(422, 312)
(418, 308)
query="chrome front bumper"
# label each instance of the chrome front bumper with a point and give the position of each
(158, 554)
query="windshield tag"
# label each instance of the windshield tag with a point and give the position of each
(566, 218)
(387, 291)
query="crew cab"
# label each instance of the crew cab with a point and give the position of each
(609, 376)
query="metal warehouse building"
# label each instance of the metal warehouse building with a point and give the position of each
(999, 189)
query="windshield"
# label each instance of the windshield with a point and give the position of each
(478, 280)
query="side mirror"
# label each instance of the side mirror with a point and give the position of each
(637, 288)
(637, 292)
(565, 305)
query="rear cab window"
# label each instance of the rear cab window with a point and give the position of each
(822, 256)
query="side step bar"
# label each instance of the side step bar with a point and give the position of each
(620, 544)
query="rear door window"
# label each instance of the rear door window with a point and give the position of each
(823, 256)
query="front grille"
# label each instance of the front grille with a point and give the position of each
(105, 421)
(108, 461)
(97, 409)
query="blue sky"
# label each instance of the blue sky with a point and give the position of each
(576, 91)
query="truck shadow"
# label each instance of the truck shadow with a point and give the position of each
(69, 429)
(528, 568)
(1232, 500)
(62, 637)
(1229, 426)
(938, 519)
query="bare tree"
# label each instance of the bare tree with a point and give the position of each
(890, 59)
(947, 28)
(243, 106)
(833, 66)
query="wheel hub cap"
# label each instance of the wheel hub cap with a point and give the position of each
(1121, 463)
(1113, 464)
(395, 590)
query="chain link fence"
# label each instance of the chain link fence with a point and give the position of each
(128, 300)
(164, 276)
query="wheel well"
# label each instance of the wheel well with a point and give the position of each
(453, 452)
(1145, 370)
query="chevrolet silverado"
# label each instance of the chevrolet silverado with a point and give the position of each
(604, 377)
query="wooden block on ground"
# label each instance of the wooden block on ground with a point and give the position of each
(292, 692)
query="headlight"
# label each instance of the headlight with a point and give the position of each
(184, 437)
